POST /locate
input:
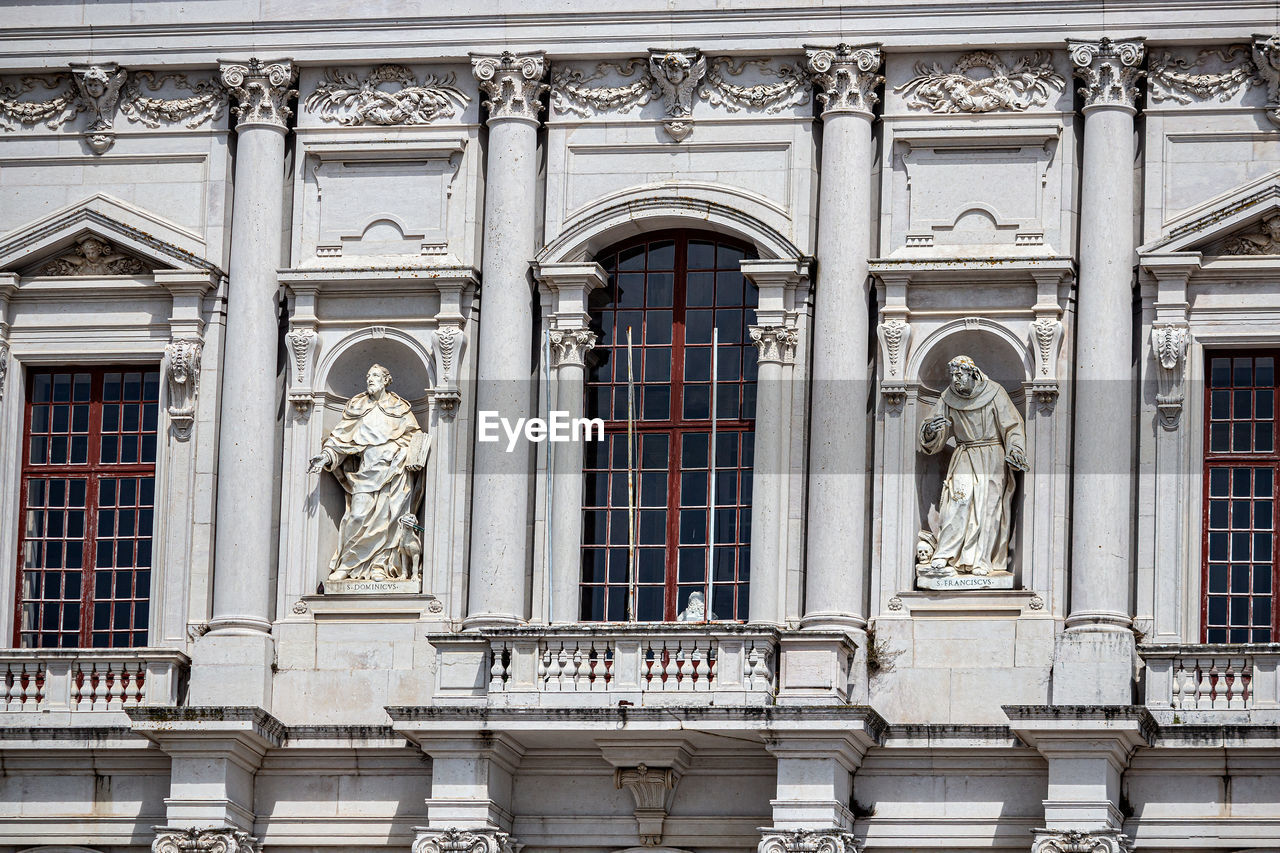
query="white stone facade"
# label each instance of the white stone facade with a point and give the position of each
(1086, 201)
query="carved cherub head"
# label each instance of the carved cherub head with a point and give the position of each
(91, 248)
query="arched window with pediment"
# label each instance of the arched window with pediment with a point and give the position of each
(653, 533)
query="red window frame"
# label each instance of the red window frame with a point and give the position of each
(1240, 545)
(697, 287)
(87, 498)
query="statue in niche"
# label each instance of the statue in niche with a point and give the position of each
(969, 545)
(374, 453)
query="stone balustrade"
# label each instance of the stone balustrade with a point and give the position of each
(1212, 677)
(90, 679)
(643, 664)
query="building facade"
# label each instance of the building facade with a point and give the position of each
(288, 572)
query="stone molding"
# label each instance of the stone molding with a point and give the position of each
(262, 91)
(651, 787)
(777, 344)
(1080, 841)
(1030, 82)
(351, 100)
(173, 840)
(182, 371)
(570, 346)
(846, 77)
(1180, 80)
(454, 840)
(512, 83)
(833, 840)
(1109, 71)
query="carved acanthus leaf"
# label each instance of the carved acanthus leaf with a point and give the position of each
(387, 95)
(183, 374)
(775, 343)
(1031, 81)
(1108, 71)
(206, 102)
(1077, 841)
(846, 77)
(54, 111)
(455, 840)
(173, 840)
(1172, 79)
(571, 90)
(571, 346)
(512, 83)
(261, 89)
(1169, 343)
(651, 787)
(792, 88)
(301, 341)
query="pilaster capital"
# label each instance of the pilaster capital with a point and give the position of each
(570, 346)
(454, 840)
(1080, 841)
(833, 840)
(261, 90)
(171, 839)
(1108, 71)
(512, 83)
(846, 77)
(777, 344)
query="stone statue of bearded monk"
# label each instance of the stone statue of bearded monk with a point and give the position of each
(373, 452)
(974, 511)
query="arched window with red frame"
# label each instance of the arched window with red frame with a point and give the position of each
(652, 535)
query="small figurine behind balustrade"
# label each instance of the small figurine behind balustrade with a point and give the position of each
(375, 452)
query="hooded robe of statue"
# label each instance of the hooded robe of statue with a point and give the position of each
(977, 494)
(371, 445)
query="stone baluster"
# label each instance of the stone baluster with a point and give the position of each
(1095, 659)
(498, 591)
(233, 661)
(836, 582)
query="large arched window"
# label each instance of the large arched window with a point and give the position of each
(651, 530)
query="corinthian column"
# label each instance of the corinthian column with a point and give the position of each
(1094, 664)
(839, 462)
(498, 590)
(248, 448)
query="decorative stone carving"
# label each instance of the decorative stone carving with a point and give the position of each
(1077, 841)
(1172, 79)
(374, 453)
(351, 100)
(1108, 71)
(792, 88)
(570, 346)
(173, 840)
(299, 607)
(205, 103)
(846, 77)
(807, 841)
(4, 366)
(462, 841)
(895, 603)
(1263, 239)
(262, 91)
(302, 343)
(1169, 345)
(1046, 339)
(182, 370)
(894, 334)
(972, 536)
(99, 88)
(449, 343)
(54, 112)
(1266, 61)
(775, 343)
(1036, 603)
(651, 788)
(1031, 82)
(677, 74)
(513, 84)
(94, 256)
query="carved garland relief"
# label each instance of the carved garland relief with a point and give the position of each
(1031, 82)
(387, 95)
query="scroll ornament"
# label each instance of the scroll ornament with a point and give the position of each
(512, 84)
(1077, 841)
(261, 89)
(183, 374)
(807, 841)
(1031, 82)
(846, 77)
(1108, 71)
(1169, 344)
(387, 95)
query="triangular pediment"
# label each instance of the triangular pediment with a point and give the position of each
(1235, 223)
(101, 236)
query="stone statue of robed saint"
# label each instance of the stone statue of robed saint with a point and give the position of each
(375, 452)
(967, 544)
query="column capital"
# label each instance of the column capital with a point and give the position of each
(777, 344)
(570, 346)
(454, 840)
(1109, 71)
(1080, 841)
(846, 77)
(513, 84)
(261, 89)
(170, 839)
(832, 840)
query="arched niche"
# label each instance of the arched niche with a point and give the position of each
(340, 376)
(1003, 358)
